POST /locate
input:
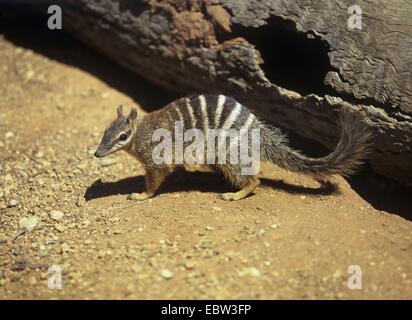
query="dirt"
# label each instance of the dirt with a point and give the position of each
(291, 239)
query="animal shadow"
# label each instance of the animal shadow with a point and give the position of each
(197, 181)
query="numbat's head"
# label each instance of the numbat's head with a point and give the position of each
(118, 133)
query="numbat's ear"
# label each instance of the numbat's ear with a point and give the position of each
(119, 111)
(132, 115)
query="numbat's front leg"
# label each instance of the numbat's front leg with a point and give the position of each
(154, 178)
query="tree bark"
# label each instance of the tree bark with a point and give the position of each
(226, 46)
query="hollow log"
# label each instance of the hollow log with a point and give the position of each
(295, 63)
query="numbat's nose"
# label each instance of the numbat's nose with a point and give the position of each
(97, 154)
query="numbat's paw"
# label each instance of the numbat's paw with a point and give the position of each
(230, 196)
(138, 196)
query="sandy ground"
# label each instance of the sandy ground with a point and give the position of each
(292, 239)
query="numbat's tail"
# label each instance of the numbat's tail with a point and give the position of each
(352, 148)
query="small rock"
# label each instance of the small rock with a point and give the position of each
(274, 226)
(190, 265)
(29, 74)
(107, 162)
(203, 244)
(59, 227)
(13, 203)
(39, 154)
(216, 209)
(65, 248)
(19, 265)
(101, 254)
(42, 251)
(337, 274)
(252, 272)
(32, 281)
(8, 179)
(56, 215)
(136, 268)
(166, 274)
(3, 238)
(28, 223)
(9, 135)
(80, 201)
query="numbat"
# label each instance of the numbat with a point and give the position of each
(222, 115)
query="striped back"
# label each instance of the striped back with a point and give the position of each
(213, 112)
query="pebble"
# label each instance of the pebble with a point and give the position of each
(136, 268)
(32, 281)
(8, 179)
(166, 274)
(39, 154)
(107, 162)
(42, 251)
(203, 244)
(252, 272)
(28, 223)
(337, 274)
(29, 74)
(65, 248)
(13, 203)
(274, 226)
(59, 227)
(190, 265)
(9, 135)
(56, 215)
(216, 209)
(19, 265)
(80, 201)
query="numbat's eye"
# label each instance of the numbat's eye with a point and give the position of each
(123, 137)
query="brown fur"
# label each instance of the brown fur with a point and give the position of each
(351, 149)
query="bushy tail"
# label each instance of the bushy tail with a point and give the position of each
(353, 147)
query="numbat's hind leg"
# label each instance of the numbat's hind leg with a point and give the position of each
(248, 187)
